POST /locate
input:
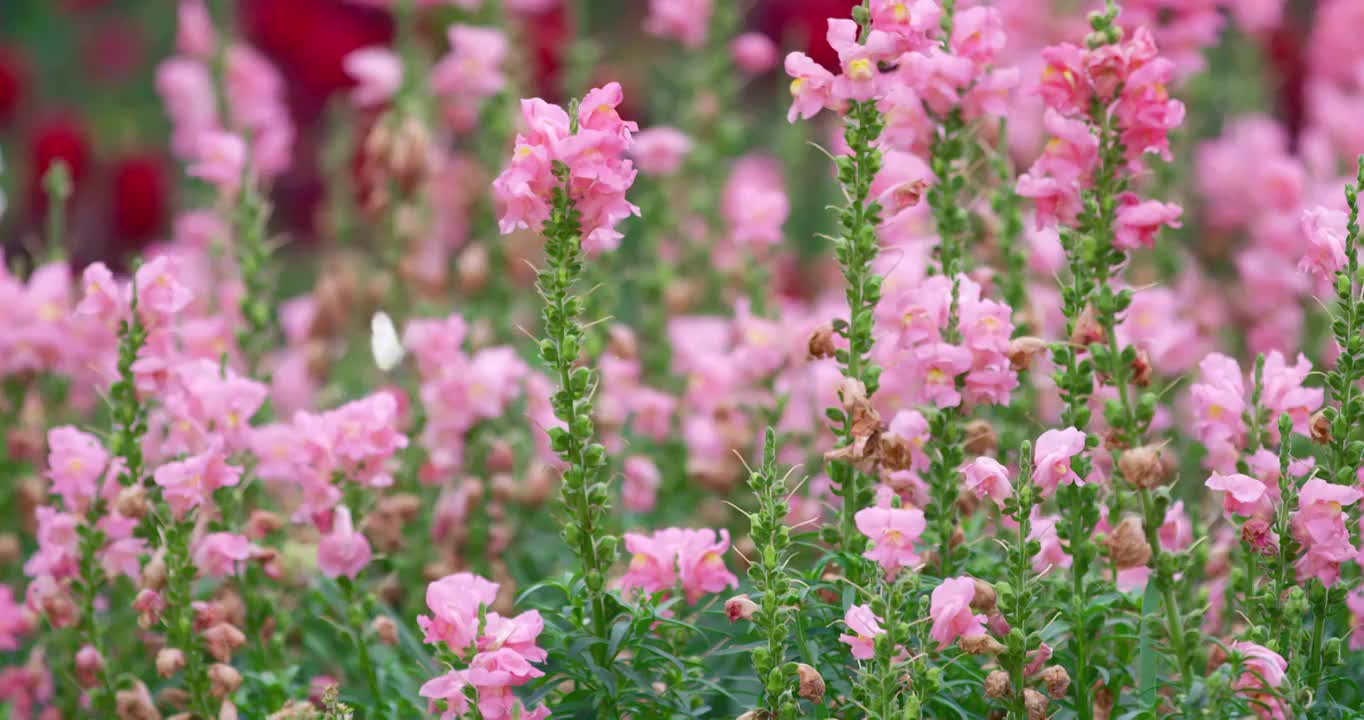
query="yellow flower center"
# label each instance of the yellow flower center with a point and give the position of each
(900, 12)
(860, 69)
(797, 85)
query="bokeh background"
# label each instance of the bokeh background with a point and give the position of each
(77, 82)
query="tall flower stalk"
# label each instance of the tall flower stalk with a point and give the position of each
(777, 599)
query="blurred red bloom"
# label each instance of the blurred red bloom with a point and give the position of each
(139, 199)
(59, 138)
(13, 82)
(803, 24)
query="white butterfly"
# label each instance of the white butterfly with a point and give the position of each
(383, 340)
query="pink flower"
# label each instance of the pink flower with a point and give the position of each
(1354, 601)
(104, 298)
(1219, 400)
(343, 551)
(986, 478)
(660, 150)
(1055, 201)
(1245, 496)
(493, 674)
(189, 483)
(865, 627)
(691, 558)
(1138, 221)
(950, 608)
(683, 20)
(893, 532)
(1319, 526)
(473, 68)
(519, 634)
(1325, 231)
(1264, 671)
(220, 159)
(938, 365)
(910, 22)
(76, 461)
(754, 53)
(811, 86)
(1176, 533)
(220, 554)
(454, 601)
(1052, 553)
(639, 491)
(450, 689)
(378, 73)
(1064, 85)
(195, 36)
(1052, 456)
(754, 204)
(14, 620)
(861, 78)
(161, 294)
(1284, 392)
(978, 34)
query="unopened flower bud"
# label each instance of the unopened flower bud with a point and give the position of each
(262, 523)
(740, 607)
(1087, 329)
(224, 678)
(222, 640)
(1057, 681)
(169, 661)
(11, 549)
(154, 572)
(811, 683)
(822, 342)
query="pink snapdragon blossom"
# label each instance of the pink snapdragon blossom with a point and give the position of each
(811, 87)
(473, 67)
(683, 20)
(865, 626)
(454, 602)
(754, 53)
(189, 483)
(343, 551)
(690, 558)
(1325, 231)
(220, 554)
(660, 150)
(1138, 221)
(639, 490)
(76, 462)
(1052, 456)
(950, 609)
(220, 159)
(893, 532)
(14, 620)
(938, 365)
(194, 34)
(378, 73)
(1245, 495)
(1319, 526)
(1264, 671)
(598, 174)
(450, 689)
(985, 477)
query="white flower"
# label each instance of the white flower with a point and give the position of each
(383, 340)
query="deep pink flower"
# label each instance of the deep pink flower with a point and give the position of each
(950, 609)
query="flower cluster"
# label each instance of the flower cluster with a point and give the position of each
(691, 560)
(497, 652)
(583, 156)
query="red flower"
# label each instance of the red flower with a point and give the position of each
(139, 199)
(13, 82)
(59, 138)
